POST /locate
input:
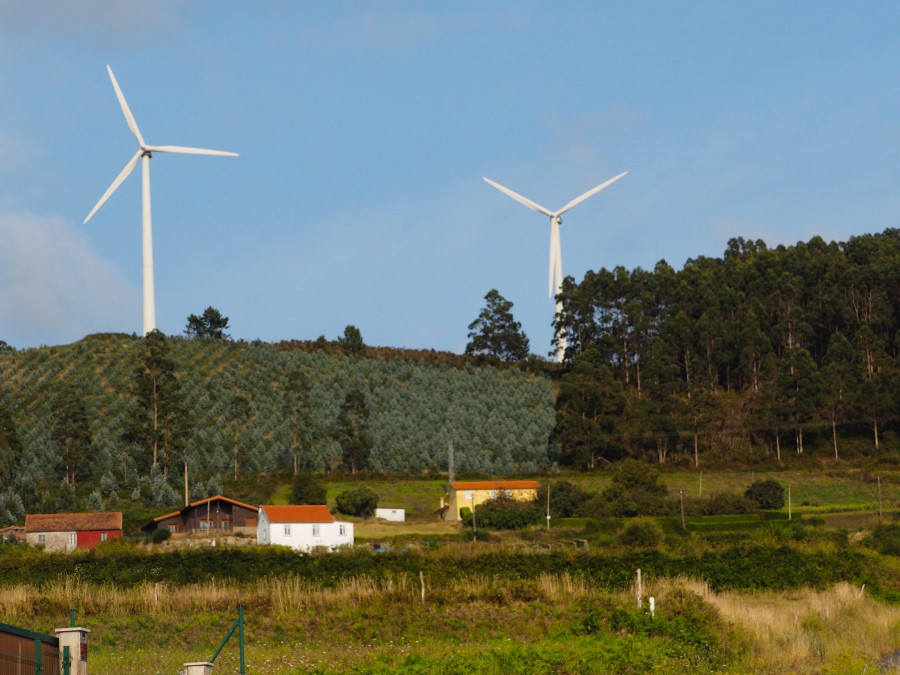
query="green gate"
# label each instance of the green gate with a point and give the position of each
(24, 652)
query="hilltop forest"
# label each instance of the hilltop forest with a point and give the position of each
(758, 356)
(760, 352)
(100, 412)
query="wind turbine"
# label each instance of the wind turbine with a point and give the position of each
(144, 153)
(556, 276)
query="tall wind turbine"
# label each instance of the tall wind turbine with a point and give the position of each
(144, 153)
(556, 275)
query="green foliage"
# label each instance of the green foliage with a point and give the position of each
(158, 422)
(352, 340)
(785, 347)
(634, 490)
(210, 325)
(504, 513)
(160, 535)
(358, 501)
(498, 419)
(353, 430)
(769, 493)
(566, 498)
(496, 333)
(71, 433)
(307, 488)
(641, 532)
(716, 504)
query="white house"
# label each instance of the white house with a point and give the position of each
(303, 528)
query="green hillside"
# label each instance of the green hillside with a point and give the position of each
(498, 420)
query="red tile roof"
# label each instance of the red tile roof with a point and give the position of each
(298, 514)
(73, 522)
(497, 485)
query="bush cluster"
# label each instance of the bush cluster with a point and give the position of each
(358, 501)
(503, 513)
(769, 494)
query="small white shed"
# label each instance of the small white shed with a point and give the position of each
(396, 515)
(303, 528)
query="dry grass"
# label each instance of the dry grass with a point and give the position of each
(839, 630)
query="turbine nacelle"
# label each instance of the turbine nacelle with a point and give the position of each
(556, 277)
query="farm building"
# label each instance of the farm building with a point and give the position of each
(68, 531)
(303, 528)
(471, 494)
(213, 514)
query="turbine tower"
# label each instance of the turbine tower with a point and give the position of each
(556, 275)
(144, 153)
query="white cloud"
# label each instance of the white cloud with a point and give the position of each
(53, 287)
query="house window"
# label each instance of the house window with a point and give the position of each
(73, 539)
(315, 530)
(287, 530)
(342, 530)
(103, 536)
(205, 525)
(469, 495)
(173, 528)
(42, 539)
(493, 494)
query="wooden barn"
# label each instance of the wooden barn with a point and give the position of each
(213, 514)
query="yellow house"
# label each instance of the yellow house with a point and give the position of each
(471, 494)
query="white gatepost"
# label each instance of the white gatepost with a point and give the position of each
(76, 640)
(198, 668)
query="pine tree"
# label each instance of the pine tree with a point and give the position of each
(496, 333)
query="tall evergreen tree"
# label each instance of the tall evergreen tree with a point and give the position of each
(11, 448)
(295, 409)
(353, 430)
(496, 333)
(159, 420)
(71, 432)
(210, 325)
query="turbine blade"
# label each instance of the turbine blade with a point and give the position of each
(116, 183)
(125, 109)
(519, 198)
(589, 193)
(181, 150)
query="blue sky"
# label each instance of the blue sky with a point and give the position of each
(364, 130)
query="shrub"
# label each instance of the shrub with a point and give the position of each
(359, 501)
(641, 532)
(565, 498)
(504, 513)
(716, 504)
(769, 493)
(634, 490)
(160, 535)
(307, 489)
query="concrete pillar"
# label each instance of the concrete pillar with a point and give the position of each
(76, 640)
(198, 668)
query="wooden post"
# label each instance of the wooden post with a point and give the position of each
(879, 497)
(548, 505)
(422, 582)
(639, 589)
(681, 499)
(789, 502)
(701, 485)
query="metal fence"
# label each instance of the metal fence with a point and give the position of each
(23, 652)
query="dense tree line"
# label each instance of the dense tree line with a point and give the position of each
(757, 351)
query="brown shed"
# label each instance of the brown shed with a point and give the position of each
(213, 514)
